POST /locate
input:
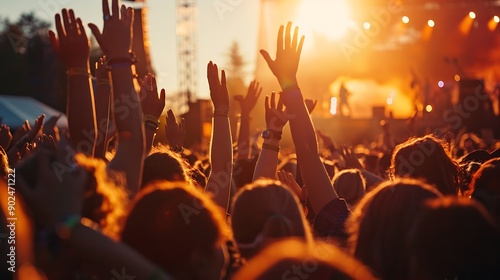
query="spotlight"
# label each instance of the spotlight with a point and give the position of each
(430, 23)
(333, 106)
(428, 108)
(457, 78)
(405, 19)
(366, 25)
(493, 22)
(472, 15)
(440, 84)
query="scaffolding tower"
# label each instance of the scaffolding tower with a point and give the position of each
(186, 27)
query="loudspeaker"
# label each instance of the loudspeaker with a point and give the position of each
(472, 101)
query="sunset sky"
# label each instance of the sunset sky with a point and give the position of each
(365, 43)
(216, 31)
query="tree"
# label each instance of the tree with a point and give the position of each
(235, 83)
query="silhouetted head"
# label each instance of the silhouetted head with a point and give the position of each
(296, 259)
(379, 225)
(263, 212)
(179, 228)
(485, 187)
(349, 185)
(427, 158)
(163, 164)
(454, 239)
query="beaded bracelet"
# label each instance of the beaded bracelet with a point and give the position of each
(271, 147)
(151, 118)
(103, 82)
(150, 125)
(78, 71)
(224, 113)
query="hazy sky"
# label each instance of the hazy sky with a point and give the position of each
(217, 29)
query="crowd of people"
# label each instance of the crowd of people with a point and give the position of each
(102, 201)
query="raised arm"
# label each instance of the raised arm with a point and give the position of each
(102, 100)
(221, 150)
(73, 47)
(284, 67)
(247, 103)
(116, 42)
(152, 107)
(276, 118)
(56, 204)
(175, 132)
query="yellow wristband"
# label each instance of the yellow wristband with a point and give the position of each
(78, 71)
(151, 118)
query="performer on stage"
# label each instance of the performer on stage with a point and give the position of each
(343, 102)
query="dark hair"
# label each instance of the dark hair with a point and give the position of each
(427, 158)
(266, 209)
(169, 222)
(379, 224)
(349, 185)
(296, 259)
(454, 238)
(163, 164)
(486, 188)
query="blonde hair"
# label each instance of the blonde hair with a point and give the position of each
(105, 198)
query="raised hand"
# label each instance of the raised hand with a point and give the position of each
(30, 136)
(350, 159)
(46, 142)
(116, 37)
(327, 141)
(50, 127)
(248, 102)
(150, 102)
(287, 179)
(52, 200)
(276, 116)
(310, 104)
(20, 132)
(5, 136)
(218, 89)
(175, 132)
(73, 46)
(101, 73)
(285, 66)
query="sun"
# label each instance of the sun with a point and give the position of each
(326, 17)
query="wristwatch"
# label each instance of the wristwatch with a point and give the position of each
(271, 134)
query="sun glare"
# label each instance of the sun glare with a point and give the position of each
(326, 17)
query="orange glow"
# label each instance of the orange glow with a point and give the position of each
(431, 23)
(472, 15)
(366, 25)
(367, 93)
(428, 108)
(493, 22)
(466, 24)
(427, 32)
(457, 78)
(328, 17)
(405, 19)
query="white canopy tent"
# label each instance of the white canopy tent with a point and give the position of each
(14, 110)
